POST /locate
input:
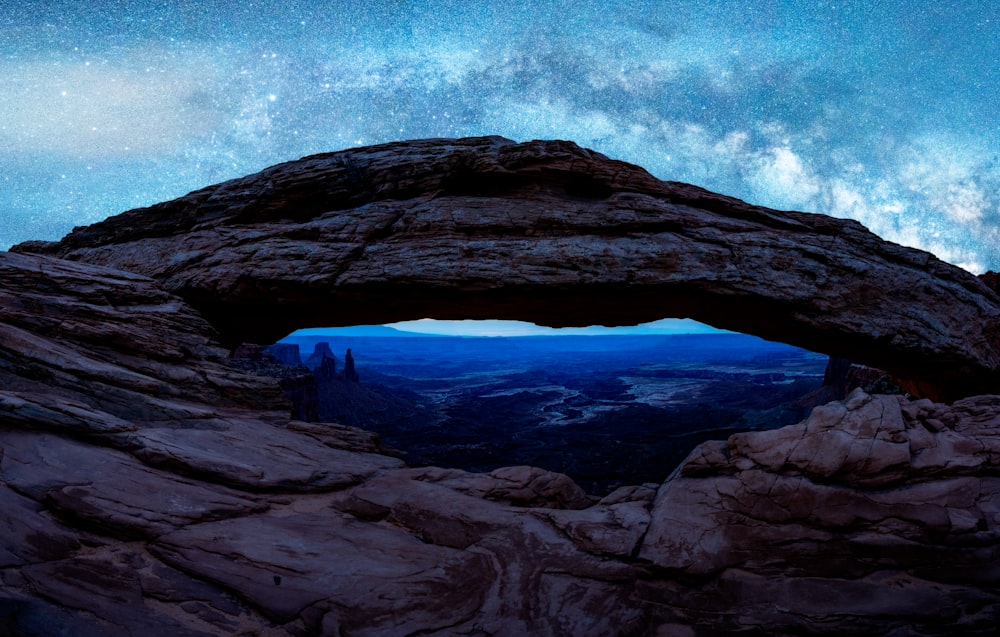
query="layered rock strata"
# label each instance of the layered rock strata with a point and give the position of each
(551, 233)
(149, 487)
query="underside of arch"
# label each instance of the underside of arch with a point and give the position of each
(551, 233)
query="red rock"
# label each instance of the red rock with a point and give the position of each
(121, 587)
(359, 578)
(28, 535)
(852, 489)
(109, 491)
(520, 486)
(149, 487)
(552, 233)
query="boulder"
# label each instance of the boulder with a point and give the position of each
(870, 511)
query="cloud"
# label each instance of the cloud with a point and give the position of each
(933, 191)
(106, 109)
(738, 107)
(783, 179)
(947, 172)
(490, 327)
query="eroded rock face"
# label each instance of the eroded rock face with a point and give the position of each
(148, 486)
(870, 511)
(121, 421)
(874, 514)
(551, 233)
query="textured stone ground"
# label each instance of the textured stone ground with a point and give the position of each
(149, 488)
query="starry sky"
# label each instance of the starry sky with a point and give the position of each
(887, 112)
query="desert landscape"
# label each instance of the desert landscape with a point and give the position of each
(608, 411)
(152, 485)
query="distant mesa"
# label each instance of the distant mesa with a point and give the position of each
(285, 354)
(301, 383)
(322, 355)
(359, 330)
(551, 233)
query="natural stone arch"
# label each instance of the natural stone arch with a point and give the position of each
(551, 233)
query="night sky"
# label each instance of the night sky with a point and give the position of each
(885, 112)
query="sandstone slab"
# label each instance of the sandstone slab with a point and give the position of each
(94, 351)
(109, 491)
(123, 591)
(549, 232)
(149, 487)
(28, 534)
(351, 577)
(254, 455)
(551, 572)
(808, 517)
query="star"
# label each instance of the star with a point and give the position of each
(888, 113)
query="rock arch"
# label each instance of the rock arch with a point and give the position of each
(548, 232)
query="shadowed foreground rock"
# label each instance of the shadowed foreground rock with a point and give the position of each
(551, 233)
(147, 487)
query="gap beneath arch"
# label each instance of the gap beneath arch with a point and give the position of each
(618, 407)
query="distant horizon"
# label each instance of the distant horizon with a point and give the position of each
(498, 328)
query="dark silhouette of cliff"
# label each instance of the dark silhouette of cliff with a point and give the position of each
(350, 374)
(320, 355)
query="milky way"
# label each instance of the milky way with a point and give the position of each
(885, 112)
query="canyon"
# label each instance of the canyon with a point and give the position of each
(151, 486)
(607, 411)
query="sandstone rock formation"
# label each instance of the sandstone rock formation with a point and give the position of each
(991, 279)
(551, 233)
(350, 374)
(326, 371)
(285, 353)
(322, 355)
(153, 489)
(298, 384)
(148, 486)
(843, 376)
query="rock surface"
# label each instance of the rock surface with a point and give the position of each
(148, 486)
(322, 356)
(872, 512)
(551, 233)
